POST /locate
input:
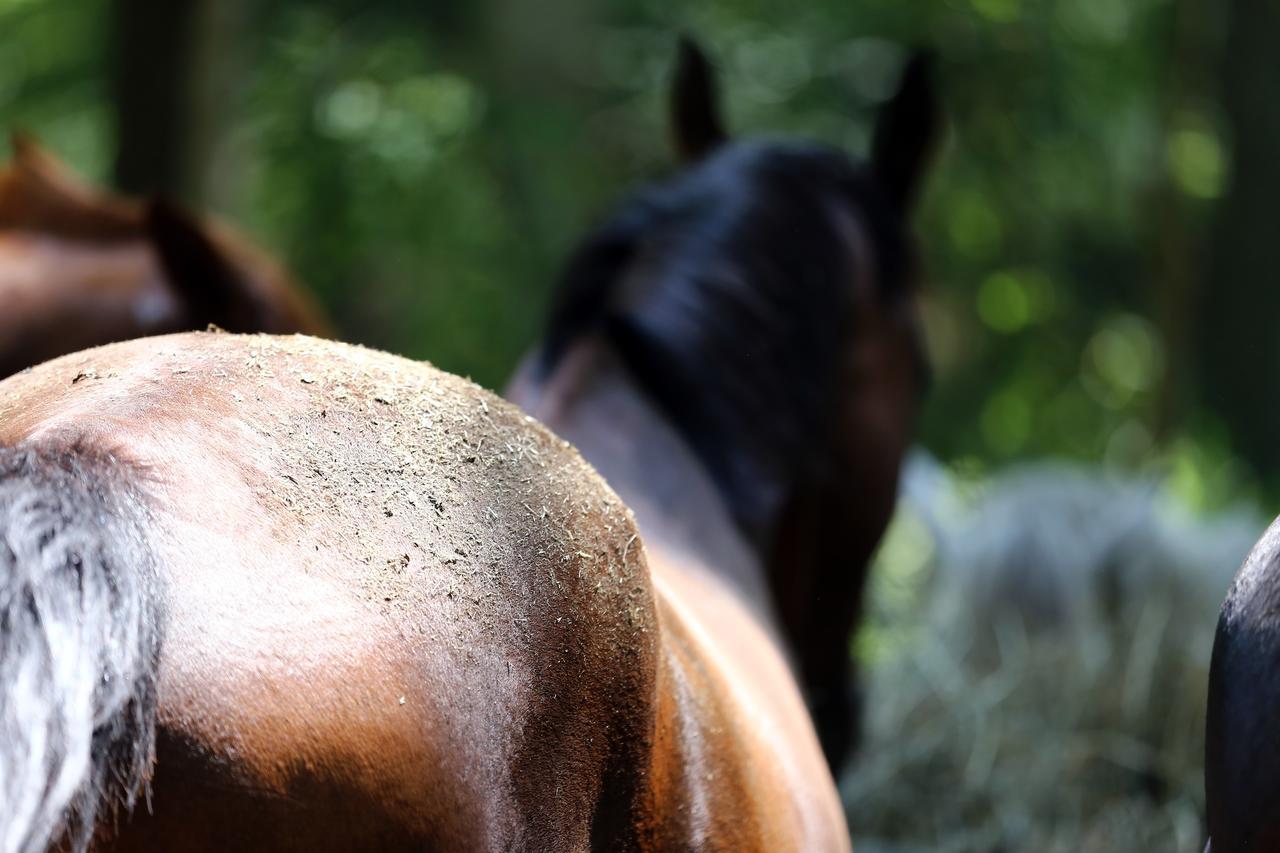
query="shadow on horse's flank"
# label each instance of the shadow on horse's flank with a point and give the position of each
(80, 268)
(343, 601)
(762, 301)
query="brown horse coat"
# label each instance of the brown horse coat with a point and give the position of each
(400, 614)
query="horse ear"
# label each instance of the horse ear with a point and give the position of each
(39, 166)
(26, 151)
(207, 280)
(907, 131)
(695, 107)
(39, 193)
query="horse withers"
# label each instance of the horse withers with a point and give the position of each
(79, 268)
(737, 351)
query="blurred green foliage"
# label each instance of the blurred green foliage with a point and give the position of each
(426, 167)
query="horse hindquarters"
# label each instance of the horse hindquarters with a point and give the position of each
(79, 639)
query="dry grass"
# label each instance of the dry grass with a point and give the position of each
(1037, 657)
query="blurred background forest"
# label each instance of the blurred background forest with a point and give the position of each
(1099, 235)
(1099, 232)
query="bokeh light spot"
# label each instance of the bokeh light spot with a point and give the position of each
(1197, 162)
(1000, 11)
(973, 226)
(1006, 422)
(350, 109)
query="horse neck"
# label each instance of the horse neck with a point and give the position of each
(592, 402)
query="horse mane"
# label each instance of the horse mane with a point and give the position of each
(79, 640)
(37, 193)
(727, 293)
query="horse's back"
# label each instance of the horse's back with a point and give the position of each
(399, 612)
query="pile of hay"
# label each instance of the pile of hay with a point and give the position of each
(1036, 660)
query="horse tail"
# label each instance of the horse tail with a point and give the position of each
(79, 642)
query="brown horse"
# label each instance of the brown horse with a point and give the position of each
(316, 597)
(79, 268)
(737, 351)
(1242, 738)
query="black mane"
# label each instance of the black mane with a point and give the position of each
(727, 291)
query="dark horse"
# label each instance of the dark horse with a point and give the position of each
(737, 351)
(79, 268)
(1242, 740)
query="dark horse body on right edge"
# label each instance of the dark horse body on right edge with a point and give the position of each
(1242, 738)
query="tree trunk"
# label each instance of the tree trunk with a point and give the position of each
(170, 81)
(1240, 302)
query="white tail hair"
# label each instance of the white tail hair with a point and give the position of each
(79, 640)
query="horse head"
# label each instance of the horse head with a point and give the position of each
(764, 298)
(80, 267)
